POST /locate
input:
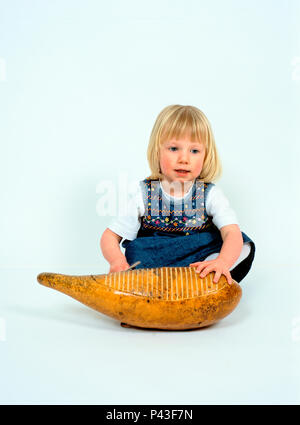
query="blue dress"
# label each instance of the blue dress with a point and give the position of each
(176, 233)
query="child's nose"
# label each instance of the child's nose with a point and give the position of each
(183, 156)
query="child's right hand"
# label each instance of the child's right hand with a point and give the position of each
(119, 265)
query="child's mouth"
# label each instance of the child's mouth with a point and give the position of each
(182, 172)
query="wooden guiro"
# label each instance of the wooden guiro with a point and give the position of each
(171, 298)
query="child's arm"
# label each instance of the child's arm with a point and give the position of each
(230, 252)
(232, 244)
(110, 247)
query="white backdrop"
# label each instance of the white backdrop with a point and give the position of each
(84, 84)
(81, 84)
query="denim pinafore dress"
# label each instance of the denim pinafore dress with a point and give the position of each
(176, 232)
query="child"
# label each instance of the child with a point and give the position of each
(178, 217)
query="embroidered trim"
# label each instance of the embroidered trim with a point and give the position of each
(179, 229)
(179, 220)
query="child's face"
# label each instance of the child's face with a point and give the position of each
(181, 154)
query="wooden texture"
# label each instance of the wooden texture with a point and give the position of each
(173, 298)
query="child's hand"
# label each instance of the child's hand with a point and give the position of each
(119, 265)
(217, 265)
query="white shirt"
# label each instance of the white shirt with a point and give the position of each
(217, 207)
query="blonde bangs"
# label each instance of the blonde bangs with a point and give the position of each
(181, 124)
(176, 121)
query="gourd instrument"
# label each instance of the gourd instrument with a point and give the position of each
(171, 298)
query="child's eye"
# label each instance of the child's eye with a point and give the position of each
(172, 148)
(195, 150)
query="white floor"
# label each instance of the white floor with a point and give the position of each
(54, 350)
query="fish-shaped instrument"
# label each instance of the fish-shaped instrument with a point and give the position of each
(173, 298)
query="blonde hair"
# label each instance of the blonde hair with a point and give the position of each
(175, 121)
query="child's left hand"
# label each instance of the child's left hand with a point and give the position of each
(217, 265)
